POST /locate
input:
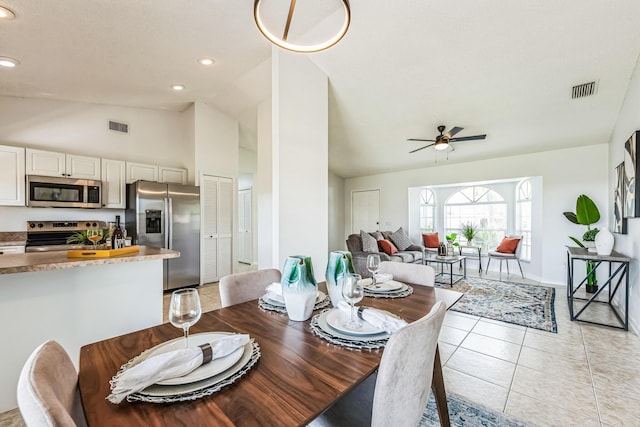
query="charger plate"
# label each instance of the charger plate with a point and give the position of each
(335, 319)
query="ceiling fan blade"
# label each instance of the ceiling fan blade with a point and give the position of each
(422, 140)
(468, 138)
(452, 132)
(421, 148)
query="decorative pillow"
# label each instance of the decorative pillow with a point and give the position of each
(508, 245)
(431, 240)
(400, 239)
(387, 247)
(377, 235)
(369, 244)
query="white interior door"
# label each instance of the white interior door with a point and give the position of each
(365, 211)
(225, 226)
(245, 250)
(209, 229)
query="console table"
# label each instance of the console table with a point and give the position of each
(618, 274)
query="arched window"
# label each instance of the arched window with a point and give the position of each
(427, 210)
(524, 193)
(482, 207)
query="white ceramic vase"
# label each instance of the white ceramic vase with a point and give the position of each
(591, 246)
(604, 242)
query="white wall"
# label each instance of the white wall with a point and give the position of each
(565, 174)
(264, 189)
(627, 244)
(246, 180)
(336, 213)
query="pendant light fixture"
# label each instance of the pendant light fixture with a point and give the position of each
(285, 44)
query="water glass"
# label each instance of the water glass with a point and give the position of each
(185, 310)
(353, 292)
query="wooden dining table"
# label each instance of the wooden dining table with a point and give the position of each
(298, 376)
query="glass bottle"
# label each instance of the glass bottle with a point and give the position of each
(117, 237)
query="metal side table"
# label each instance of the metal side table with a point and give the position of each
(474, 248)
(618, 274)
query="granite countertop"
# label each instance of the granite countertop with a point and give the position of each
(41, 261)
(13, 238)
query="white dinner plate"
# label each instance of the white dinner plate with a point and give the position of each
(274, 300)
(388, 286)
(336, 319)
(322, 322)
(205, 371)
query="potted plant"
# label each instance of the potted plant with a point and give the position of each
(451, 242)
(97, 239)
(587, 213)
(469, 231)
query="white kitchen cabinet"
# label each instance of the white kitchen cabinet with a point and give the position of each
(12, 191)
(6, 250)
(216, 205)
(51, 163)
(172, 175)
(141, 172)
(113, 184)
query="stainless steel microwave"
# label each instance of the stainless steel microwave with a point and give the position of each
(48, 191)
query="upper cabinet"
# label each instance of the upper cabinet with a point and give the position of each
(141, 172)
(113, 184)
(12, 180)
(50, 163)
(172, 175)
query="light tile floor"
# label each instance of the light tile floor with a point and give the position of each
(584, 375)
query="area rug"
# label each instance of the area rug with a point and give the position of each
(517, 303)
(463, 413)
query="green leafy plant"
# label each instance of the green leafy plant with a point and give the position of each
(89, 237)
(451, 238)
(587, 213)
(469, 231)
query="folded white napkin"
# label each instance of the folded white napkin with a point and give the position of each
(173, 364)
(383, 277)
(378, 318)
(275, 288)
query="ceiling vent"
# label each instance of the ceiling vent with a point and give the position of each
(585, 89)
(118, 127)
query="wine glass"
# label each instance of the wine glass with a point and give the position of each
(353, 292)
(373, 265)
(185, 310)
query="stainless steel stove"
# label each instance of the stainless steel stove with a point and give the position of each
(45, 236)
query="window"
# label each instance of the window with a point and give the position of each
(482, 207)
(427, 209)
(524, 193)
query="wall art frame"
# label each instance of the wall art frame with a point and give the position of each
(631, 175)
(619, 221)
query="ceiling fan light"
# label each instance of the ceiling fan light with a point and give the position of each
(441, 145)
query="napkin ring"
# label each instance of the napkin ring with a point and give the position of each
(360, 310)
(207, 353)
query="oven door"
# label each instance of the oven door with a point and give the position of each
(45, 191)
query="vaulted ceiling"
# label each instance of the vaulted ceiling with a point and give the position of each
(500, 67)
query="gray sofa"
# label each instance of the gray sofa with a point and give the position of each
(412, 254)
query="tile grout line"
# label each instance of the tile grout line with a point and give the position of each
(593, 386)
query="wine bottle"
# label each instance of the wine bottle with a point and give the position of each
(117, 237)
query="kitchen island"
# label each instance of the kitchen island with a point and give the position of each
(73, 301)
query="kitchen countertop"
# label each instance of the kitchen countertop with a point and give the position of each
(13, 238)
(41, 261)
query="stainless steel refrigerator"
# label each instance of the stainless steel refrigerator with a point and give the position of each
(167, 216)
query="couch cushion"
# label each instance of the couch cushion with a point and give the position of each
(403, 256)
(369, 244)
(387, 247)
(400, 239)
(354, 243)
(377, 235)
(417, 255)
(508, 245)
(431, 240)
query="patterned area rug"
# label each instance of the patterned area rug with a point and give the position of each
(463, 413)
(526, 305)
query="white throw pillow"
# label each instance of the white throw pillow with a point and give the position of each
(369, 243)
(401, 240)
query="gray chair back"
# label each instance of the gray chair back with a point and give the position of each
(241, 287)
(48, 389)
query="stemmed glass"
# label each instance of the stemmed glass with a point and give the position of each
(373, 265)
(185, 310)
(353, 292)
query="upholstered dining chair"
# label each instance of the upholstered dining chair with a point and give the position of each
(417, 274)
(506, 256)
(48, 389)
(398, 394)
(241, 287)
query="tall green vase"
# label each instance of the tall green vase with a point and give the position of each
(340, 263)
(299, 287)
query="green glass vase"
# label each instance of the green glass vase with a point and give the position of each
(340, 263)
(299, 287)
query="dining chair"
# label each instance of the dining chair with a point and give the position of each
(48, 389)
(502, 256)
(241, 287)
(398, 394)
(417, 274)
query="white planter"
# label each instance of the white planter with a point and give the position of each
(591, 246)
(604, 242)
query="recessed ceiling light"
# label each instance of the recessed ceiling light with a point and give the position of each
(177, 87)
(206, 61)
(8, 62)
(6, 13)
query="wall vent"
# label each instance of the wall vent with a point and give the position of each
(118, 127)
(585, 89)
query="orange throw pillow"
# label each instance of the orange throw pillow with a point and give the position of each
(431, 240)
(387, 247)
(508, 245)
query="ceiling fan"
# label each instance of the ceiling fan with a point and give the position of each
(442, 141)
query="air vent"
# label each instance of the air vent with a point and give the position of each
(585, 89)
(118, 127)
